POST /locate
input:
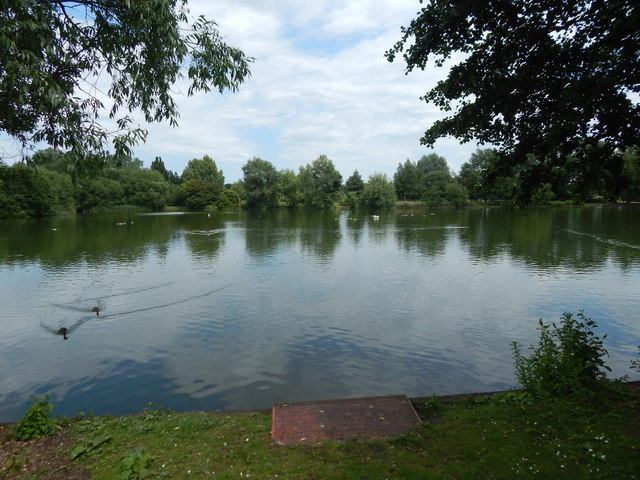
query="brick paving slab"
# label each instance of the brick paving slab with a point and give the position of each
(308, 423)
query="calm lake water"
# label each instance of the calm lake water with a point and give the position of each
(241, 310)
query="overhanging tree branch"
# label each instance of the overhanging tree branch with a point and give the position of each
(551, 79)
(49, 48)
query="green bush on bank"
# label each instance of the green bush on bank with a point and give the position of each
(569, 360)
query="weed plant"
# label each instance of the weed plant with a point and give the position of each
(37, 421)
(568, 362)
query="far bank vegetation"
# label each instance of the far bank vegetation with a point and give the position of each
(47, 184)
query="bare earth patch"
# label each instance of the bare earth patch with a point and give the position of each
(46, 457)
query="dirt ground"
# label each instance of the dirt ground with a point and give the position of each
(46, 457)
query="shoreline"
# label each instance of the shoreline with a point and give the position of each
(635, 385)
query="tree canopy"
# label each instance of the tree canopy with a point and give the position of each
(379, 193)
(551, 84)
(320, 182)
(261, 183)
(204, 169)
(55, 56)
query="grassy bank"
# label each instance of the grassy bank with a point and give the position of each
(506, 435)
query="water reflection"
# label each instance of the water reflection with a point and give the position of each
(553, 238)
(245, 309)
(320, 234)
(267, 232)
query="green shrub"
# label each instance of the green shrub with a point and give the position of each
(569, 360)
(37, 421)
(229, 200)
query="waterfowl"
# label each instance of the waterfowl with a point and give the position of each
(96, 310)
(63, 331)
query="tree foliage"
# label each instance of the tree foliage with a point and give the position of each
(170, 176)
(53, 55)
(432, 163)
(407, 181)
(142, 187)
(24, 192)
(320, 183)
(354, 183)
(198, 194)
(353, 188)
(261, 183)
(289, 187)
(98, 194)
(435, 187)
(535, 77)
(410, 177)
(204, 169)
(378, 193)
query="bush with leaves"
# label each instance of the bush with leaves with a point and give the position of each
(37, 421)
(569, 360)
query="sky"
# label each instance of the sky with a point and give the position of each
(320, 84)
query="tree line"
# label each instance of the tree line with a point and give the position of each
(484, 179)
(48, 184)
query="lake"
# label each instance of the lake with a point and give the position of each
(240, 310)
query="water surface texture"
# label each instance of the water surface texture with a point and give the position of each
(241, 310)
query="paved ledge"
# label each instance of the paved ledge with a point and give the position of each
(309, 423)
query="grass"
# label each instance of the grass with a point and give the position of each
(501, 436)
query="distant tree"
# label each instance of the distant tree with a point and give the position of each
(25, 193)
(353, 188)
(228, 200)
(99, 194)
(503, 189)
(379, 192)
(123, 162)
(288, 187)
(51, 159)
(62, 190)
(406, 181)
(158, 165)
(543, 195)
(238, 187)
(205, 170)
(320, 183)
(436, 184)
(261, 183)
(432, 163)
(142, 187)
(198, 194)
(354, 183)
(53, 50)
(168, 175)
(474, 174)
(550, 79)
(425, 167)
(456, 194)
